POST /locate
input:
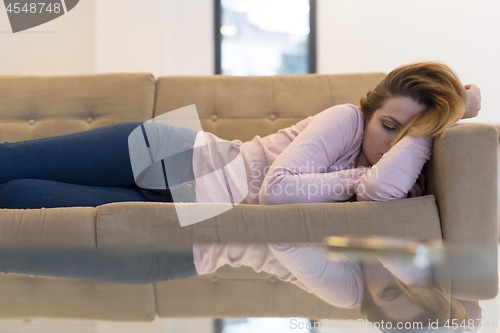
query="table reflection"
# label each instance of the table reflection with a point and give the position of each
(385, 292)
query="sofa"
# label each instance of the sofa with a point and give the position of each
(460, 207)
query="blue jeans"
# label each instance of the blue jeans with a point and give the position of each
(139, 267)
(88, 168)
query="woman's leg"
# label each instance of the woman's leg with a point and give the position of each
(33, 173)
(97, 157)
(38, 193)
(140, 267)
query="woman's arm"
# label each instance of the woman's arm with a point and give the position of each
(299, 174)
(337, 283)
(394, 175)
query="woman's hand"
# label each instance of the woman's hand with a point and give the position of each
(472, 312)
(473, 101)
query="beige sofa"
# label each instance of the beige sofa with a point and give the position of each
(461, 207)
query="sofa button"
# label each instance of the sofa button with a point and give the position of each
(90, 119)
(272, 279)
(272, 117)
(214, 279)
(214, 117)
(31, 121)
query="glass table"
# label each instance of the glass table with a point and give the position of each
(418, 276)
(342, 284)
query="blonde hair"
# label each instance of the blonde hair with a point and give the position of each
(436, 303)
(432, 84)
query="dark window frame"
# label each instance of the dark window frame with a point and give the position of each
(218, 36)
(219, 325)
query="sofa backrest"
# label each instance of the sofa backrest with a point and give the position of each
(34, 107)
(241, 107)
(231, 107)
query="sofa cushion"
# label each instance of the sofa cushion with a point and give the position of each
(35, 107)
(29, 296)
(228, 293)
(48, 227)
(155, 224)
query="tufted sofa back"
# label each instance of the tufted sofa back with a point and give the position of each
(34, 107)
(231, 107)
(242, 107)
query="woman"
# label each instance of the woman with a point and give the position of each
(385, 143)
(395, 294)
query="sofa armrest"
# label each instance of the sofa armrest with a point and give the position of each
(462, 176)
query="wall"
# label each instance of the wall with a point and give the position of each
(365, 36)
(129, 36)
(163, 37)
(65, 45)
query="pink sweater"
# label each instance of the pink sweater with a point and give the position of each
(306, 163)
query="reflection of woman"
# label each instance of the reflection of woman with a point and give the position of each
(395, 293)
(385, 143)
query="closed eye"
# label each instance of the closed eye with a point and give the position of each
(388, 128)
(390, 293)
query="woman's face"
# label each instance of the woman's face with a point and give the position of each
(385, 125)
(386, 293)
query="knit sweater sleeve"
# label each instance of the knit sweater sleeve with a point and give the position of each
(337, 283)
(299, 174)
(394, 175)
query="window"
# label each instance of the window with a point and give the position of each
(265, 37)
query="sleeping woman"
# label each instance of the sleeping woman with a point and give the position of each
(374, 151)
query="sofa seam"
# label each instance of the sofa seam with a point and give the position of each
(214, 91)
(34, 101)
(155, 299)
(95, 227)
(329, 90)
(155, 90)
(442, 211)
(273, 111)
